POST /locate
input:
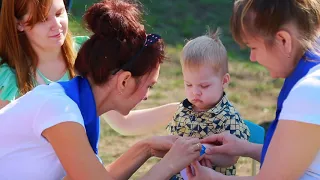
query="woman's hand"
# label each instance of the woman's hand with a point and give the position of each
(217, 159)
(198, 172)
(160, 145)
(184, 151)
(225, 143)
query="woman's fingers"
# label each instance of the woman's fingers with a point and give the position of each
(223, 149)
(213, 138)
(196, 165)
(196, 147)
(208, 163)
(195, 144)
(189, 172)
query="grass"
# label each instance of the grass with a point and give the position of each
(251, 90)
(179, 20)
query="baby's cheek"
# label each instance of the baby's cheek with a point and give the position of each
(188, 94)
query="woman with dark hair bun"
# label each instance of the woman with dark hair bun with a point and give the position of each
(53, 130)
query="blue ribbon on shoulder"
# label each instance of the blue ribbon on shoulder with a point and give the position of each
(79, 90)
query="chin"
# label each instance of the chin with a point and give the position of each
(277, 75)
(123, 112)
(55, 45)
(57, 42)
(274, 76)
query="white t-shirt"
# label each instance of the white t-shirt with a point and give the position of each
(24, 152)
(303, 104)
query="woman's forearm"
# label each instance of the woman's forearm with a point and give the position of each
(141, 121)
(252, 150)
(130, 161)
(239, 178)
(221, 160)
(159, 171)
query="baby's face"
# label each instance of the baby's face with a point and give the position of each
(203, 87)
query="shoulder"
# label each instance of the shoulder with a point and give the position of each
(303, 101)
(229, 110)
(55, 98)
(307, 89)
(8, 83)
(56, 108)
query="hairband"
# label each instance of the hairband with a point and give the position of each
(151, 39)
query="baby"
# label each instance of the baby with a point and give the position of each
(206, 110)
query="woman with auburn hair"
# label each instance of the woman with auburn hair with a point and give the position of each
(53, 130)
(36, 47)
(283, 36)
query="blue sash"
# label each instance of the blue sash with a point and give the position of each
(79, 90)
(300, 71)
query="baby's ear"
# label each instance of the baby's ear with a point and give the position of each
(226, 80)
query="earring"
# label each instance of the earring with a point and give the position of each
(120, 92)
(20, 29)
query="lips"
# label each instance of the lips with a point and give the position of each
(196, 100)
(56, 35)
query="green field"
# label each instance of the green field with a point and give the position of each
(251, 90)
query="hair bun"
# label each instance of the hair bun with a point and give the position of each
(114, 19)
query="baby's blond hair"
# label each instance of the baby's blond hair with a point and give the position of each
(206, 50)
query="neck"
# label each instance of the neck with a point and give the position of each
(101, 96)
(48, 55)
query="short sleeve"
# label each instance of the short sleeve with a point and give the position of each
(236, 126)
(78, 42)
(8, 83)
(55, 110)
(172, 127)
(303, 102)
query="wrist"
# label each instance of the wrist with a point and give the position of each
(165, 168)
(146, 146)
(246, 148)
(158, 172)
(252, 150)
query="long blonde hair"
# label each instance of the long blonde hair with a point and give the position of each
(15, 48)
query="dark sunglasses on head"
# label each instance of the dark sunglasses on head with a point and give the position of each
(150, 39)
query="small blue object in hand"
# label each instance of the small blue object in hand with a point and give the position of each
(203, 150)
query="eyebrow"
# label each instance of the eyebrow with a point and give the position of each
(61, 9)
(198, 83)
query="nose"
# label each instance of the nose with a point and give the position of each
(196, 91)
(253, 56)
(55, 24)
